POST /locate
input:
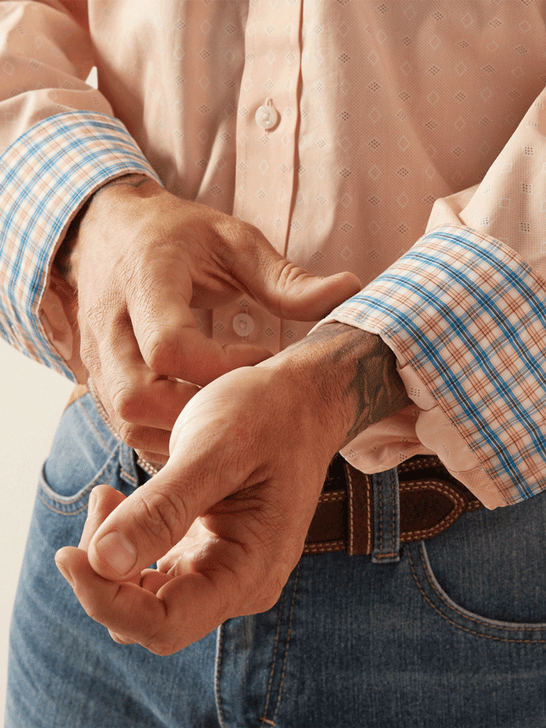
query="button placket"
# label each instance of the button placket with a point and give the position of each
(266, 150)
(267, 119)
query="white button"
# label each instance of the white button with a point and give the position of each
(243, 324)
(267, 115)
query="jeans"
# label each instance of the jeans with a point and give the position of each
(450, 633)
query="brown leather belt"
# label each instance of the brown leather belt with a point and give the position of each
(431, 500)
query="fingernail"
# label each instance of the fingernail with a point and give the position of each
(91, 504)
(64, 571)
(118, 552)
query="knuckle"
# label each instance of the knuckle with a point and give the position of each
(94, 609)
(131, 435)
(262, 593)
(250, 238)
(267, 600)
(165, 513)
(127, 403)
(160, 352)
(161, 647)
(100, 314)
(232, 237)
(265, 590)
(95, 315)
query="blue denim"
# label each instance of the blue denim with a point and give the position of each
(448, 633)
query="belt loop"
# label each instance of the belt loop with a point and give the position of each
(127, 461)
(386, 546)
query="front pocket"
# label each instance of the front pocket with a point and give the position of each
(486, 619)
(84, 453)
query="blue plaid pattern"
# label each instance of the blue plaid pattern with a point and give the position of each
(45, 177)
(462, 309)
(469, 316)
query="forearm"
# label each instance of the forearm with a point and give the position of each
(59, 310)
(347, 373)
(64, 259)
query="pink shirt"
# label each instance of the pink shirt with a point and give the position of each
(341, 128)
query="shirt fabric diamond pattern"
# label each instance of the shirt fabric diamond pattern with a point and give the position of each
(391, 120)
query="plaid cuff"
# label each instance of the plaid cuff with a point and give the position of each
(45, 177)
(469, 316)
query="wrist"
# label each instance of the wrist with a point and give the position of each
(346, 377)
(64, 258)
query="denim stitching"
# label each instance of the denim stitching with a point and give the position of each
(457, 511)
(67, 501)
(103, 414)
(351, 510)
(217, 676)
(381, 554)
(275, 650)
(287, 642)
(394, 509)
(128, 476)
(369, 502)
(62, 513)
(92, 425)
(380, 519)
(388, 555)
(473, 619)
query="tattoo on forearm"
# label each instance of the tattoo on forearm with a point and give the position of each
(366, 368)
(376, 385)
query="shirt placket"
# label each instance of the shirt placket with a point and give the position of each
(267, 121)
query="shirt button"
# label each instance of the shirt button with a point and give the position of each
(267, 115)
(243, 324)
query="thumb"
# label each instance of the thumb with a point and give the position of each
(287, 290)
(142, 529)
(103, 499)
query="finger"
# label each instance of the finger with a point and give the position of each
(184, 610)
(153, 580)
(148, 440)
(286, 289)
(126, 609)
(198, 358)
(144, 527)
(102, 501)
(293, 293)
(168, 339)
(141, 406)
(136, 394)
(171, 345)
(182, 557)
(121, 640)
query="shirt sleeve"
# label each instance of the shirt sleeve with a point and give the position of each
(58, 143)
(464, 311)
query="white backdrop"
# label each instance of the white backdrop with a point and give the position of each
(32, 399)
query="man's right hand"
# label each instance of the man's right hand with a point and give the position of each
(141, 258)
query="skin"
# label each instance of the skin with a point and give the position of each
(227, 517)
(135, 262)
(250, 435)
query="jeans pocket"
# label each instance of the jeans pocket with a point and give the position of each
(84, 453)
(485, 575)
